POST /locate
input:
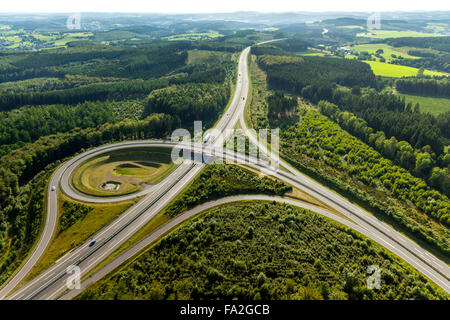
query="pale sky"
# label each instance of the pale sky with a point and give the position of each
(203, 6)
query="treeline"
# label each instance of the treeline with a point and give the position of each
(268, 49)
(436, 43)
(315, 77)
(421, 53)
(220, 45)
(329, 154)
(91, 92)
(430, 87)
(419, 162)
(189, 102)
(262, 250)
(50, 84)
(280, 106)
(439, 62)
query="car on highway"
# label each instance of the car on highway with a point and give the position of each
(53, 188)
(92, 243)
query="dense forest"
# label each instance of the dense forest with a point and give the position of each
(280, 106)
(314, 77)
(97, 61)
(263, 251)
(91, 92)
(190, 102)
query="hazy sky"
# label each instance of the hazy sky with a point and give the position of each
(190, 6)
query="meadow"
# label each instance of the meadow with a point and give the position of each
(397, 71)
(383, 34)
(388, 50)
(433, 105)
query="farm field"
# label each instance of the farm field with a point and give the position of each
(397, 71)
(194, 36)
(383, 34)
(11, 39)
(388, 50)
(119, 173)
(433, 105)
(313, 53)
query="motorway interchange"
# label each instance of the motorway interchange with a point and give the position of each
(51, 284)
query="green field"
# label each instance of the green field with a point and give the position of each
(397, 71)
(122, 172)
(42, 40)
(313, 53)
(382, 34)
(194, 36)
(387, 50)
(437, 27)
(350, 27)
(202, 56)
(431, 105)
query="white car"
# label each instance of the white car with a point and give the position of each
(53, 188)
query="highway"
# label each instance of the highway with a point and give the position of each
(52, 282)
